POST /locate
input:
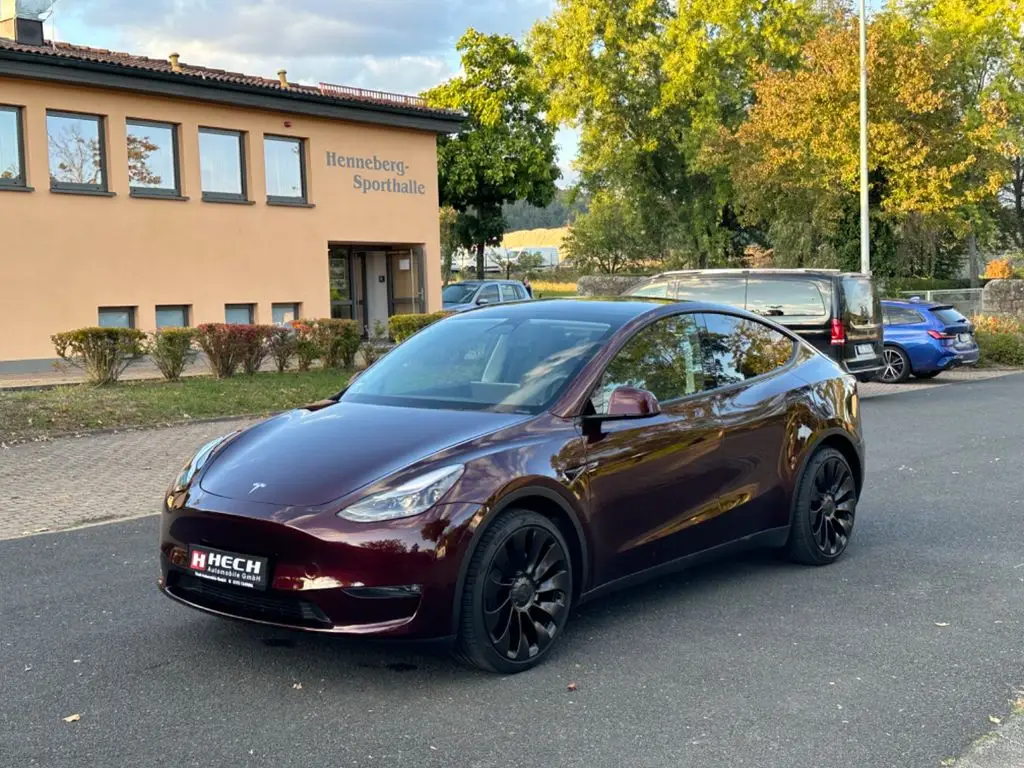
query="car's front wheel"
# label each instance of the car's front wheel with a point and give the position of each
(517, 595)
(823, 510)
(897, 366)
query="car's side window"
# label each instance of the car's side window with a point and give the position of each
(660, 289)
(785, 298)
(489, 293)
(664, 358)
(715, 289)
(901, 316)
(737, 349)
(508, 293)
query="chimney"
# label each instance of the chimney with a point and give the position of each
(282, 75)
(175, 65)
(19, 20)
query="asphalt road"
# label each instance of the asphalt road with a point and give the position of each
(749, 662)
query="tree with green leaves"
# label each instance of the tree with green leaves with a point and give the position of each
(506, 151)
(649, 83)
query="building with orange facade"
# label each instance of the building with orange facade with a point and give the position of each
(150, 193)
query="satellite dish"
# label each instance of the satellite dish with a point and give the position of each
(32, 9)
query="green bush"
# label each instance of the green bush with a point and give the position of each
(337, 341)
(173, 350)
(224, 345)
(103, 353)
(1000, 348)
(401, 327)
(283, 344)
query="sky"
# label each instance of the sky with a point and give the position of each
(394, 45)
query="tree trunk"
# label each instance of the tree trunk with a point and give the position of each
(480, 261)
(972, 257)
(1018, 200)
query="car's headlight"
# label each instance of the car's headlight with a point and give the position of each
(197, 462)
(412, 497)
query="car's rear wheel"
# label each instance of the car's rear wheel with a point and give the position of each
(897, 366)
(517, 595)
(927, 375)
(823, 510)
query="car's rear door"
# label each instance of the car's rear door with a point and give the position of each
(861, 314)
(801, 303)
(653, 483)
(753, 394)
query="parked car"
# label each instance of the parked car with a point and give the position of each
(924, 339)
(837, 312)
(503, 465)
(468, 294)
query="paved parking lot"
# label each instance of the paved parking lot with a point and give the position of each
(896, 656)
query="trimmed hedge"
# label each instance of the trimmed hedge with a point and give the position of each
(401, 327)
(283, 343)
(173, 349)
(230, 346)
(336, 341)
(103, 353)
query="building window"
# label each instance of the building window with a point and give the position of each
(117, 317)
(77, 152)
(286, 169)
(172, 316)
(12, 148)
(222, 165)
(285, 313)
(239, 314)
(153, 158)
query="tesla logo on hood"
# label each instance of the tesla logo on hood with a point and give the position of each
(256, 487)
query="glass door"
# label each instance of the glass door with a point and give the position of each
(340, 272)
(405, 282)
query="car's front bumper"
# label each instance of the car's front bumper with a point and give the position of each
(394, 579)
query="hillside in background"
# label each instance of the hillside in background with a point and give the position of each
(558, 214)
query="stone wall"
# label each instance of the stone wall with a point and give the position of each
(1003, 297)
(606, 285)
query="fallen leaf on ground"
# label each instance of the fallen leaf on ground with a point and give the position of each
(72, 718)
(297, 686)
(993, 719)
(571, 686)
(941, 623)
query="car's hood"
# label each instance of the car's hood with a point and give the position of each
(304, 458)
(457, 307)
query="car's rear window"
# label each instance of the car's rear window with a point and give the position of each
(861, 305)
(717, 290)
(949, 316)
(785, 298)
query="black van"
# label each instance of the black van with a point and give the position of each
(838, 312)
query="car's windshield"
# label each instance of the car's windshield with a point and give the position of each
(458, 293)
(489, 363)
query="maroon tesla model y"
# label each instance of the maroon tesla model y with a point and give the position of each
(508, 463)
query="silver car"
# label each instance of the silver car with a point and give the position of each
(468, 294)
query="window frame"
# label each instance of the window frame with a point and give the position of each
(21, 180)
(295, 305)
(165, 192)
(302, 199)
(186, 310)
(249, 306)
(225, 197)
(74, 187)
(132, 315)
(794, 353)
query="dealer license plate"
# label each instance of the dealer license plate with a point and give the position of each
(865, 349)
(229, 567)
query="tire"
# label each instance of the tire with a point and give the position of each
(824, 510)
(519, 578)
(897, 365)
(927, 375)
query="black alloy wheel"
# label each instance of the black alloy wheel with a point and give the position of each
(824, 510)
(897, 366)
(518, 593)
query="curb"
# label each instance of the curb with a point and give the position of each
(144, 427)
(1001, 748)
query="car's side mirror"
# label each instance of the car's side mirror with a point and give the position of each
(632, 403)
(481, 301)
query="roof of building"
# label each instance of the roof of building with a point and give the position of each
(82, 57)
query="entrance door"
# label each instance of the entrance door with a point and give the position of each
(405, 282)
(347, 272)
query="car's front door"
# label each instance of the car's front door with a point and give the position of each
(654, 482)
(753, 397)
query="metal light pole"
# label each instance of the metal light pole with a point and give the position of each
(865, 220)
